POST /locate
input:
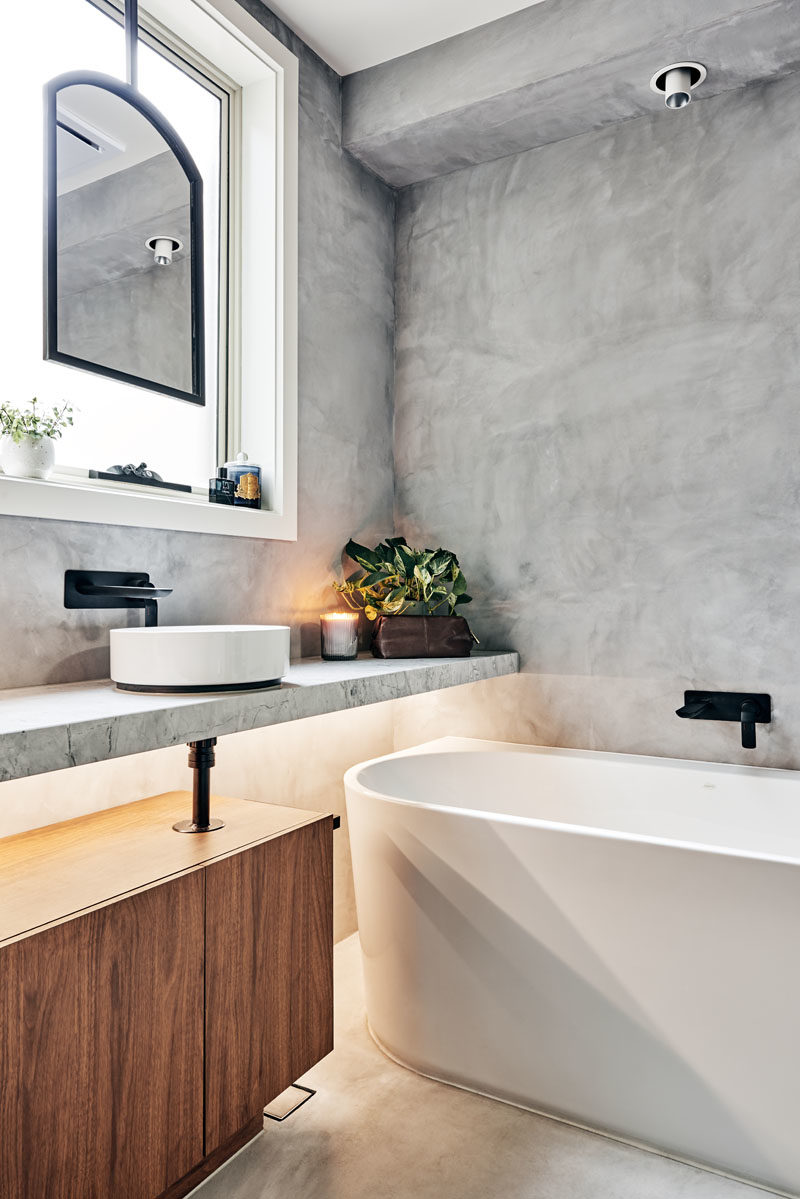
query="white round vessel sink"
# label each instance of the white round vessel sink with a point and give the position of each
(232, 657)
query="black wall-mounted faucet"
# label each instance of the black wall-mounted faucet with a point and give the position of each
(114, 589)
(747, 708)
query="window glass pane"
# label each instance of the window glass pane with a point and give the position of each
(114, 422)
(196, 113)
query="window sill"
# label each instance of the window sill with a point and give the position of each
(116, 504)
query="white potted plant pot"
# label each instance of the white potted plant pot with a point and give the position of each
(29, 458)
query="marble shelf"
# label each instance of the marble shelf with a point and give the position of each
(52, 728)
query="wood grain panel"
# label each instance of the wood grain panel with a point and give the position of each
(214, 1160)
(101, 1044)
(54, 873)
(269, 973)
(45, 1033)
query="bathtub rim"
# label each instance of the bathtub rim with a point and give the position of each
(476, 745)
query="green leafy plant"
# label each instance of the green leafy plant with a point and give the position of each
(396, 580)
(18, 423)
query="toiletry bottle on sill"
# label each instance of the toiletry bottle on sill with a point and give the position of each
(246, 478)
(221, 489)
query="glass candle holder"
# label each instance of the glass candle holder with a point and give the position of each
(339, 633)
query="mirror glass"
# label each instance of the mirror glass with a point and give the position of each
(123, 295)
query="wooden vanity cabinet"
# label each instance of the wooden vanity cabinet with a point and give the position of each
(269, 935)
(142, 1034)
(101, 1050)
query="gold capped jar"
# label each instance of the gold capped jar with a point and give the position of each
(246, 478)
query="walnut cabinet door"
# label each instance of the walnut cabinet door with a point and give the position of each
(101, 1050)
(269, 973)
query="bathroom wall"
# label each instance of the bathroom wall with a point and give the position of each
(345, 422)
(598, 359)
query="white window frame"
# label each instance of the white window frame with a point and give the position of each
(262, 372)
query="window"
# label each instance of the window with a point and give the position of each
(230, 90)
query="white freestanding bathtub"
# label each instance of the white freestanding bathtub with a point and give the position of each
(609, 939)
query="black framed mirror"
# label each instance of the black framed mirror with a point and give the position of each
(123, 239)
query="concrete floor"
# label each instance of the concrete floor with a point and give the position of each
(377, 1131)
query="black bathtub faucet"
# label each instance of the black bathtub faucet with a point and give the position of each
(747, 708)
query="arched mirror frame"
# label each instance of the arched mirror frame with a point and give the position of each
(51, 351)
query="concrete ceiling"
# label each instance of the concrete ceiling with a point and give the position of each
(354, 34)
(552, 71)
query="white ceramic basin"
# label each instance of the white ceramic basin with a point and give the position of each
(232, 657)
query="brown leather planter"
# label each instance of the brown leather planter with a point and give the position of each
(421, 637)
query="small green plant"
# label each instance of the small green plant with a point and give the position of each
(396, 580)
(18, 423)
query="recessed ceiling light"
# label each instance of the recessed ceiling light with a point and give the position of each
(677, 82)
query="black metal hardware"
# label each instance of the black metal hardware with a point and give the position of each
(748, 718)
(693, 711)
(337, 822)
(201, 760)
(113, 589)
(747, 708)
(295, 1086)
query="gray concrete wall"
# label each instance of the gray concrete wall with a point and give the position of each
(598, 362)
(345, 415)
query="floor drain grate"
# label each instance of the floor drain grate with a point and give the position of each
(287, 1103)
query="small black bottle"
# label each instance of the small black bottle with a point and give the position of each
(221, 489)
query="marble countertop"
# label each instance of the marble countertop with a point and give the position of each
(50, 728)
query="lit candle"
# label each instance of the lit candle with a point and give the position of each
(339, 632)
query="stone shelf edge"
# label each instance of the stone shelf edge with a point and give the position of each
(52, 728)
